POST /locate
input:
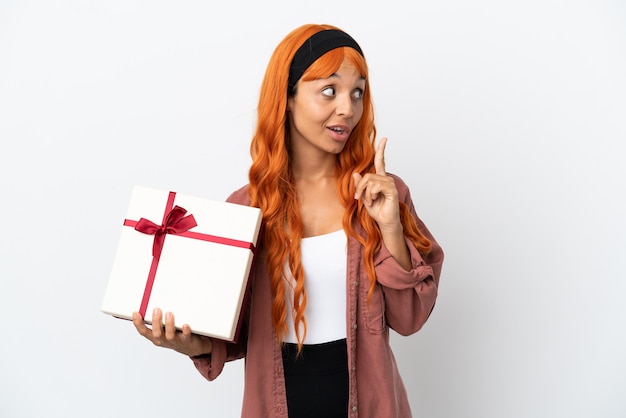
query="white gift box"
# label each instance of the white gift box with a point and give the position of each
(201, 274)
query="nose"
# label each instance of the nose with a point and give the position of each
(345, 105)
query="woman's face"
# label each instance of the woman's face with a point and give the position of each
(323, 112)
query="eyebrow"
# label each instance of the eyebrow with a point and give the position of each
(338, 76)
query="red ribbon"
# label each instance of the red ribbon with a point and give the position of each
(176, 223)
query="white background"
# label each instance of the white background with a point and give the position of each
(506, 118)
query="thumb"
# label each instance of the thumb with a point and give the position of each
(357, 179)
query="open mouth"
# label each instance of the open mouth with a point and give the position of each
(338, 129)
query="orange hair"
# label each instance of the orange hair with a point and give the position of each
(272, 188)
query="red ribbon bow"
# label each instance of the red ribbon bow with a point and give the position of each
(175, 222)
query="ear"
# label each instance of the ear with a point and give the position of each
(290, 103)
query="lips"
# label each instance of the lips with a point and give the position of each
(339, 133)
(340, 129)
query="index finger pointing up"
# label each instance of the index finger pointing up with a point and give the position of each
(379, 157)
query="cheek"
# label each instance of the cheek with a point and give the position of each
(309, 114)
(358, 113)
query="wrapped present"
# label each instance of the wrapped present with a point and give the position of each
(186, 255)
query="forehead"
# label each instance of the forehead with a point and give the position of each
(347, 71)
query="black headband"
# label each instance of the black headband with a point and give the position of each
(313, 48)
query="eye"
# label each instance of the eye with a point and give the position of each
(328, 91)
(358, 94)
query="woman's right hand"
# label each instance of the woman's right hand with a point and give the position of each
(169, 337)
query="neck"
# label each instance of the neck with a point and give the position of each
(313, 167)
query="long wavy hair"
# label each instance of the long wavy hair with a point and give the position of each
(272, 187)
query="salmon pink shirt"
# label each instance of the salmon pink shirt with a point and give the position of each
(402, 301)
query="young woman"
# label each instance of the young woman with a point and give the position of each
(343, 258)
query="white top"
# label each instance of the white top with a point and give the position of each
(324, 263)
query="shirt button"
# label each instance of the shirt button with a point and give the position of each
(354, 326)
(356, 283)
(354, 408)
